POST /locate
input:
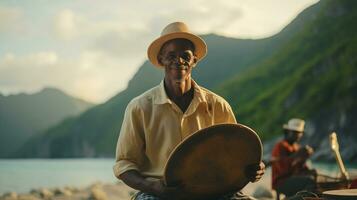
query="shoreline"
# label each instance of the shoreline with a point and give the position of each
(96, 191)
(114, 191)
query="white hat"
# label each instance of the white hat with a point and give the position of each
(174, 31)
(295, 125)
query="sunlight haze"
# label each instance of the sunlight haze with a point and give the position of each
(91, 49)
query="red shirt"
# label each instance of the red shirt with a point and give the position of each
(282, 164)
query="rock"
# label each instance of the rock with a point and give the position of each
(28, 197)
(72, 189)
(263, 193)
(97, 193)
(9, 196)
(62, 191)
(43, 193)
(46, 193)
(34, 191)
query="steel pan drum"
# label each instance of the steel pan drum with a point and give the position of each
(212, 161)
(348, 194)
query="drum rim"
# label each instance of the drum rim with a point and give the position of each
(200, 132)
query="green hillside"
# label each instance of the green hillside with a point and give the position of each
(314, 77)
(94, 133)
(24, 115)
(265, 80)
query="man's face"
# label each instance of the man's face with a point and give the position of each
(177, 56)
(295, 136)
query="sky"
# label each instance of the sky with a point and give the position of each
(90, 49)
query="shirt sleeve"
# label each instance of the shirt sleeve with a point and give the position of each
(223, 113)
(282, 166)
(130, 150)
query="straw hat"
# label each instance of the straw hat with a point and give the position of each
(174, 31)
(295, 125)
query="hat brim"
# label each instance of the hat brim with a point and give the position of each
(155, 46)
(286, 127)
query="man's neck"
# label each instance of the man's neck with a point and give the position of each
(176, 90)
(180, 92)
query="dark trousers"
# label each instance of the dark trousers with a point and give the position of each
(294, 184)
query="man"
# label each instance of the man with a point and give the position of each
(289, 171)
(158, 120)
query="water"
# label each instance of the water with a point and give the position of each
(22, 175)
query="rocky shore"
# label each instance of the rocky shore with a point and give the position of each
(119, 191)
(100, 191)
(97, 191)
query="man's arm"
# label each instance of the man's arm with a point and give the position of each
(255, 172)
(152, 186)
(293, 159)
(135, 180)
(130, 150)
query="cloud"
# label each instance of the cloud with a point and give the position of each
(202, 17)
(38, 60)
(130, 40)
(10, 19)
(92, 50)
(74, 25)
(31, 71)
(111, 49)
(121, 44)
(133, 25)
(92, 76)
(68, 25)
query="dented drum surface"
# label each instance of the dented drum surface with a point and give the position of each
(212, 161)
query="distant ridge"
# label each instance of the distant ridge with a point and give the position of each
(23, 115)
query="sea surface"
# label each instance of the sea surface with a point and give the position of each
(22, 175)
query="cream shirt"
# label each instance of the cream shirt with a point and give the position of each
(154, 125)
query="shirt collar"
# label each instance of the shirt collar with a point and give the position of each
(199, 93)
(162, 98)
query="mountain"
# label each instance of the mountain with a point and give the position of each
(94, 133)
(23, 115)
(246, 72)
(313, 76)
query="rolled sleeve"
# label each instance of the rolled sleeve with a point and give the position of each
(130, 150)
(122, 166)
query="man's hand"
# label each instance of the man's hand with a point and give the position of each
(161, 190)
(156, 186)
(304, 152)
(152, 186)
(255, 172)
(308, 151)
